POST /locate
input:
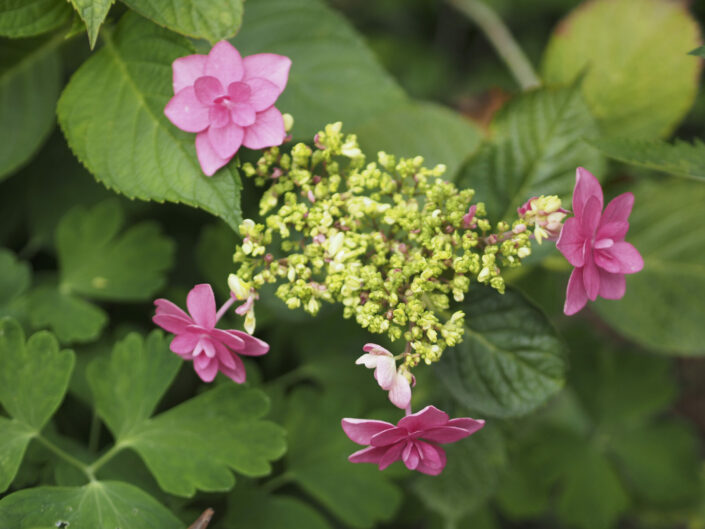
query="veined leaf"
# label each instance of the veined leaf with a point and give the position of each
(93, 13)
(26, 18)
(14, 438)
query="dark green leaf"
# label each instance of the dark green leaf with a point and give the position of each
(698, 52)
(25, 18)
(15, 277)
(252, 509)
(14, 438)
(510, 360)
(93, 13)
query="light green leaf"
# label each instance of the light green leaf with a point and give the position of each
(510, 360)
(425, 129)
(26, 18)
(537, 143)
(14, 438)
(678, 159)
(664, 303)
(213, 20)
(97, 263)
(15, 278)
(34, 375)
(108, 505)
(359, 495)
(639, 80)
(112, 114)
(93, 13)
(334, 76)
(253, 509)
(30, 73)
(71, 318)
(198, 444)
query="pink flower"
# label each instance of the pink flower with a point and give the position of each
(469, 217)
(593, 242)
(197, 339)
(389, 443)
(386, 374)
(228, 101)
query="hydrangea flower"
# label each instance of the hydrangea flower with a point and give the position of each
(414, 440)
(386, 374)
(228, 101)
(593, 242)
(198, 339)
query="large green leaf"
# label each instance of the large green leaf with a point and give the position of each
(25, 18)
(93, 13)
(537, 142)
(213, 20)
(30, 73)
(510, 360)
(681, 158)
(253, 509)
(664, 302)
(334, 76)
(98, 263)
(109, 505)
(112, 114)
(639, 80)
(14, 438)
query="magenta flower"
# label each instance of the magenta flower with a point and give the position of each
(197, 339)
(414, 440)
(386, 374)
(228, 101)
(593, 242)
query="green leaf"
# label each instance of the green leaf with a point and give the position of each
(680, 158)
(109, 505)
(359, 495)
(30, 73)
(151, 367)
(26, 18)
(639, 80)
(93, 13)
(537, 142)
(446, 137)
(112, 114)
(14, 438)
(214, 255)
(510, 360)
(698, 52)
(71, 318)
(198, 444)
(213, 20)
(253, 509)
(334, 76)
(97, 263)
(34, 375)
(15, 278)
(664, 302)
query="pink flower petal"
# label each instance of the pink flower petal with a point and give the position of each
(186, 70)
(236, 374)
(389, 436)
(429, 417)
(172, 324)
(411, 456)
(575, 296)
(591, 278)
(207, 157)
(274, 68)
(243, 114)
(263, 93)
(184, 343)
(400, 392)
(446, 434)
(612, 286)
(239, 92)
(201, 304)
(432, 464)
(612, 230)
(253, 346)
(208, 347)
(225, 140)
(164, 306)
(361, 431)
(267, 131)
(219, 116)
(571, 242)
(375, 349)
(619, 209)
(206, 368)
(225, 356)
(392, 455)
(466, 423)
(232, 341)
(186, 112)
(386, 372)
(208, 89)
(586, 187)
(591, 218)
(371, 454)
(225, 63)
(621, 258)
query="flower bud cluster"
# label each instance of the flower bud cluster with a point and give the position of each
(392, 241)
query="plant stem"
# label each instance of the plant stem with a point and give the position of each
(94, 434)
(503, 41)
(65, 456)
(276, 482)
(107, 456)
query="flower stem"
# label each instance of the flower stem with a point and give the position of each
(94, 433)
(107, 456)
(65, 456)
(224, 308)
(503, 41)
(276, 482)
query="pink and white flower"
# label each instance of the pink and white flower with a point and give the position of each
(386, 374)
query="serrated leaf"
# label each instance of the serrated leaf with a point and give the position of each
(34, 375)
(510, 360)
(139, 372)
(253, 509)
(359, 495)
(639, 81)
(112, 114)
(14, 438)
(30, 73)
(664, 302)
(537, 142)
(334, 76)
(109, 505)
(96, 262)
(93, 13)
(26, 18)
(15, 278)
(678, 159)
(425, 129)
(71, 318)
(213, 20)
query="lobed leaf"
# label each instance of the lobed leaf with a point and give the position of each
(14, 438)
(26, 18)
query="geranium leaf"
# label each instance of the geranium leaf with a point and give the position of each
(510, 360)
(14, 438)
(99, 504)
(252, 509)
(611, 41)
(93, 13)
(112, 114)
(26, 18)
